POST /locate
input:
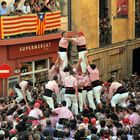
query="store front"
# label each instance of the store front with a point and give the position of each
(29, 60)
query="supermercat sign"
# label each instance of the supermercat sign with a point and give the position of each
(43, 46)
(32, 49)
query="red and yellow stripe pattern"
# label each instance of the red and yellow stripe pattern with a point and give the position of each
(15, 25)
(53, 20)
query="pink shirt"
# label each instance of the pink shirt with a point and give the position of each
(80, 40)
(36, 113)
(52, 85)
(23, 85)
(52, 72)
(70, 81)
(63, 43)
(134, 118)
(80, 81)
(87, 81)
(63, 112)
(113, 88)
(93, 74)
(63, 75)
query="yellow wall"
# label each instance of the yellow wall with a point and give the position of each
(85, 15)
(122, 28)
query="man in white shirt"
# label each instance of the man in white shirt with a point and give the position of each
(26, 8)
(22, 90)
(35, 113)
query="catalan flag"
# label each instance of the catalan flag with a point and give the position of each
(53, 20)
(41, 24)
(33, 23)
(13, 25)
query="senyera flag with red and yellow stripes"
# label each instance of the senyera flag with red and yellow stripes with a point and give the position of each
(32, 23)
(53, 20)
(15, 25)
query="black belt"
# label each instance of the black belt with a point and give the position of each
(96, 83)
(70, 90)
(48, 93)
(17, 86)
(62, 49)
(81, 48)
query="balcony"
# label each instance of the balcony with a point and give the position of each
(32, 25)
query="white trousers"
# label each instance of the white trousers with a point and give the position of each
(60, 95)
(84, 92)
(82, 55)
(64, 59)
(97, 93)
(49, 101)
(119, 98)
(81, 101)
(91, 99)
(20, 95)
(72, 99)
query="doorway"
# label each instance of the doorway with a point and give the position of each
(136, 61)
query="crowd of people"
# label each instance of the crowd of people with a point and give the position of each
(73, 104)
(39, 6)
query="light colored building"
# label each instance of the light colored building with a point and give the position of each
(120, 57)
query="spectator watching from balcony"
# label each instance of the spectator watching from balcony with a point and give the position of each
(55, 6)
(3, 9)
(46, 6)
(13, 7)
(26, 8)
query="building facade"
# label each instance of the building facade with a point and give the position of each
(120, 55)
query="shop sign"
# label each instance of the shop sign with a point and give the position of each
(31, 49)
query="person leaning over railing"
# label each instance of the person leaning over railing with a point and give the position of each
(13, 8)
(26, 9)
(4, 9)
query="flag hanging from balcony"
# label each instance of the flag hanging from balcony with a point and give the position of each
(122, 8)
(41, 23)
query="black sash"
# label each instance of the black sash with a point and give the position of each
(62, 49)
(17, 86)
(96, 83)
(81, 48)
(80, 90)
(48, 93)
(70, 90)
(121, 90)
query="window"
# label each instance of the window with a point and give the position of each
(35, 71)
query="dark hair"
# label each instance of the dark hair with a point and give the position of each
(67, 134)
(63, 103)
(55, 78)
(72, 72)
(30, 83)
(3, 3)
(102, 123)
(132, 108)
(48, 122)
(124, 137)
(93, 130)
(66, 69)
(17, 1)
(93, 66)
(63, 33)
